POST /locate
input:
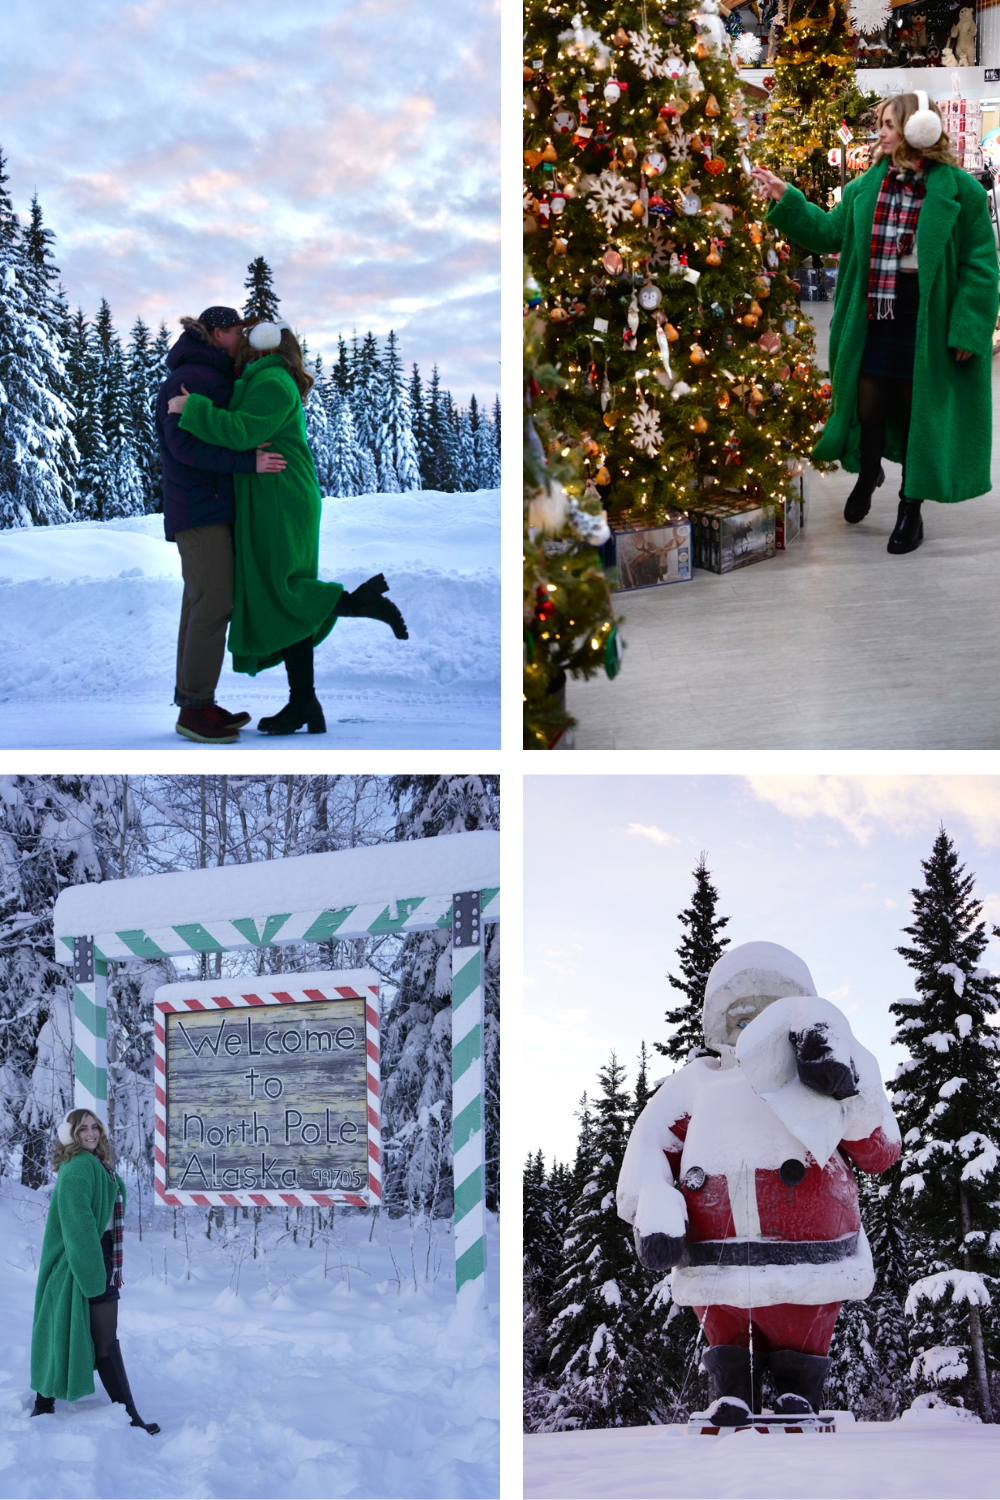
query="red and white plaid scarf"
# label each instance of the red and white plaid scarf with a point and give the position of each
(118, 1227)
(900, 199)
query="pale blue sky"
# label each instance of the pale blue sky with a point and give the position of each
(823, 865)
(354, 143)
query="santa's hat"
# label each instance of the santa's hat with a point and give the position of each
(266, 335)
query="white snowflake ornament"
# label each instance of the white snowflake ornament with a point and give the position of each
(646, 434)
(869, 16)
(645, 53)
(656, 248)
(748, 48)
(612, 198)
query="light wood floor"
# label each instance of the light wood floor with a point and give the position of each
(832, 645)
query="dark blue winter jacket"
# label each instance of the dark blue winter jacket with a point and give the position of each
(197, 477)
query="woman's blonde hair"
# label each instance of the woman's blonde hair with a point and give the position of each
(900, 107)
(75, 1119)
(288, 351)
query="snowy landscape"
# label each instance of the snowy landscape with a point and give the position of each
(89, 611)
(329, 1365)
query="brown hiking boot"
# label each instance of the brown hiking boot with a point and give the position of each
(235, 721)
(206, 725)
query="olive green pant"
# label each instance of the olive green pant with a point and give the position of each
(207, 567)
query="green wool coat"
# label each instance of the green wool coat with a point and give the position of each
(71, 1271)
(278, 598)
(948, 453)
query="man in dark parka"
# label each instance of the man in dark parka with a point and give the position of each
(198, 514)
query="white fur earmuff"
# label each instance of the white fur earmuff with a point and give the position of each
(924, 128)
(65, 1132)
(266, 335)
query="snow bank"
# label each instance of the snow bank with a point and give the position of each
(304, 1373)
(89, 612)
(886, 1459)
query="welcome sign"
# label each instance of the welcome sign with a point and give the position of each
(269, 1095)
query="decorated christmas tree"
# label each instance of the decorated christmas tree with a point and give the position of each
(668, 309)
(569, 620)
(815, 92)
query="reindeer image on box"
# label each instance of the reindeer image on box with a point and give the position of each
(739, 1175)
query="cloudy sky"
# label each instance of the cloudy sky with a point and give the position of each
(353, 143)
(823, 865)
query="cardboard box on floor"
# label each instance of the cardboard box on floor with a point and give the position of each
(649, 556)
(730, 532)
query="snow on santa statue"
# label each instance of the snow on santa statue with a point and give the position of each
(738, 1175)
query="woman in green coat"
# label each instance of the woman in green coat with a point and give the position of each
(281, 609)
(911, 340)
(75, 1328)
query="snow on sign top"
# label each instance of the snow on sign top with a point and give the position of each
(404, 886)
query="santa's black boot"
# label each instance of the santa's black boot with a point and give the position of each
(44, 1406)
(798, 1381)
(366, 602)
(111, 1369)
(737, 1396)
(303, 707)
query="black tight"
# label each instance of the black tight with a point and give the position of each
(103, 1327)
(878, 400)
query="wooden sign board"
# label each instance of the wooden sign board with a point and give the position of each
(268, 1094)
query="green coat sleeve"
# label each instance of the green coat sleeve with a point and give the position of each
(974, 310)
(81, 1234)
(269, 404)
(812, 227)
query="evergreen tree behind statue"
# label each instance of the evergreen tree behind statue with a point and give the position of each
(669, 311)
(699, 949)
(947, 1101)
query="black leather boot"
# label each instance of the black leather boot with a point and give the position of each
(44, 1406)
(303, 707)
(366, 602)
(909, 529)
(738, 1397)
(859, 501)
(111, 1369)
(798, 1381)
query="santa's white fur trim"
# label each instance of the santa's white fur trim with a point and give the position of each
(266, 335)
(805, 1285)
(924, 128)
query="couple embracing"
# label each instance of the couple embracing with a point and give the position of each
(242, 503)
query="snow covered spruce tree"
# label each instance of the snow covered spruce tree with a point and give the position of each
(947, 1101)
(416, 1031)
(544, 1228)
(602, 1360)
(398, 459)
(699, 948)
(262, 300)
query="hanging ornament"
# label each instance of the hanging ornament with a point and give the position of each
(653, 163)
(632, 324)
(772, 258)
(699, 424)
(613, 90)
(731, 448)
(612, 418)
(713, 258)
(671, 332)
(557, 203)
(650, 296)
(602, 476)
(605, 393)
(658, 206)
(646, 434)
(663, 344)
(723, 400)
(676, 269)
(697, 354)
(715, 166)
(645, 53)
(563, 122)
(784, 373)
(611, 197)
(558, 315)
(620, 37)
(756, 233)
(612, 263)
(769, 342)
(628, 150)
(550, 153)
(712, 105)
(688, 201)
(560, 246)
(826, 390)
(681, 388)
(638, 209)
(694, 83)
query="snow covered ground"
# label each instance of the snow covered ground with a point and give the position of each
(88, 616)
(322, 1372)
(874, 1460)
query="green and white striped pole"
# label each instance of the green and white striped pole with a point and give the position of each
(90, 1029)
(468, 1137)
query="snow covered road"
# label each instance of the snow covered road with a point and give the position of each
(88, 615)
(303, 1373)
(870, 1461)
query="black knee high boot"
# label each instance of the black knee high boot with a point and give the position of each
(367, 602)
(111, 1369)
(303, 707)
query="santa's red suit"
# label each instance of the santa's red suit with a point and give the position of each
(740, 1175)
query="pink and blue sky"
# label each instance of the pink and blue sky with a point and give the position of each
(353, 143)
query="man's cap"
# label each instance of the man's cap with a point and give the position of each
(220, 317)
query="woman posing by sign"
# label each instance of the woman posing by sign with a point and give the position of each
(81, 1264)
(912, 333)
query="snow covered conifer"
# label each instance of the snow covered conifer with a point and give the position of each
(262, 300)
(120, 487)
(344, 469)
(699, 948)
(366, 391)
(947, 1101)
(880, 1214)
(543, 1239)
(143, 381)
(399, 461)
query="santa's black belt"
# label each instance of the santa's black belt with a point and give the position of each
(771, 1252)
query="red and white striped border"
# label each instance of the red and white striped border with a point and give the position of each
(349, 985)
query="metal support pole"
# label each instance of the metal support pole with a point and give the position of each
(468, 1137)
(90, 1029)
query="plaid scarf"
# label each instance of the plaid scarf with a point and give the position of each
(900, 199)
(118, 1227)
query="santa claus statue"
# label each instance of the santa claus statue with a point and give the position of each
(739, 1175)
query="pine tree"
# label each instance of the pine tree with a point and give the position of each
(366, 395)
(418, 418)
(341, 373)
(84, 367)
(262, 300)
(119, 489)
(947, 1101)
(432, 471)
(543, 1239)
(699, 949)
(399, 461)
(483, 448)
(880, 1213)
(668, 308)
(495, 424)
(46, 303)
(644, 1090)
(345, 460)
(141, 400)
(318, 432)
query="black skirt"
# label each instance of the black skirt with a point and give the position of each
(111, 1292)
(890, 343)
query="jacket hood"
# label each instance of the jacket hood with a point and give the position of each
(750, 971)
(191, 350)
